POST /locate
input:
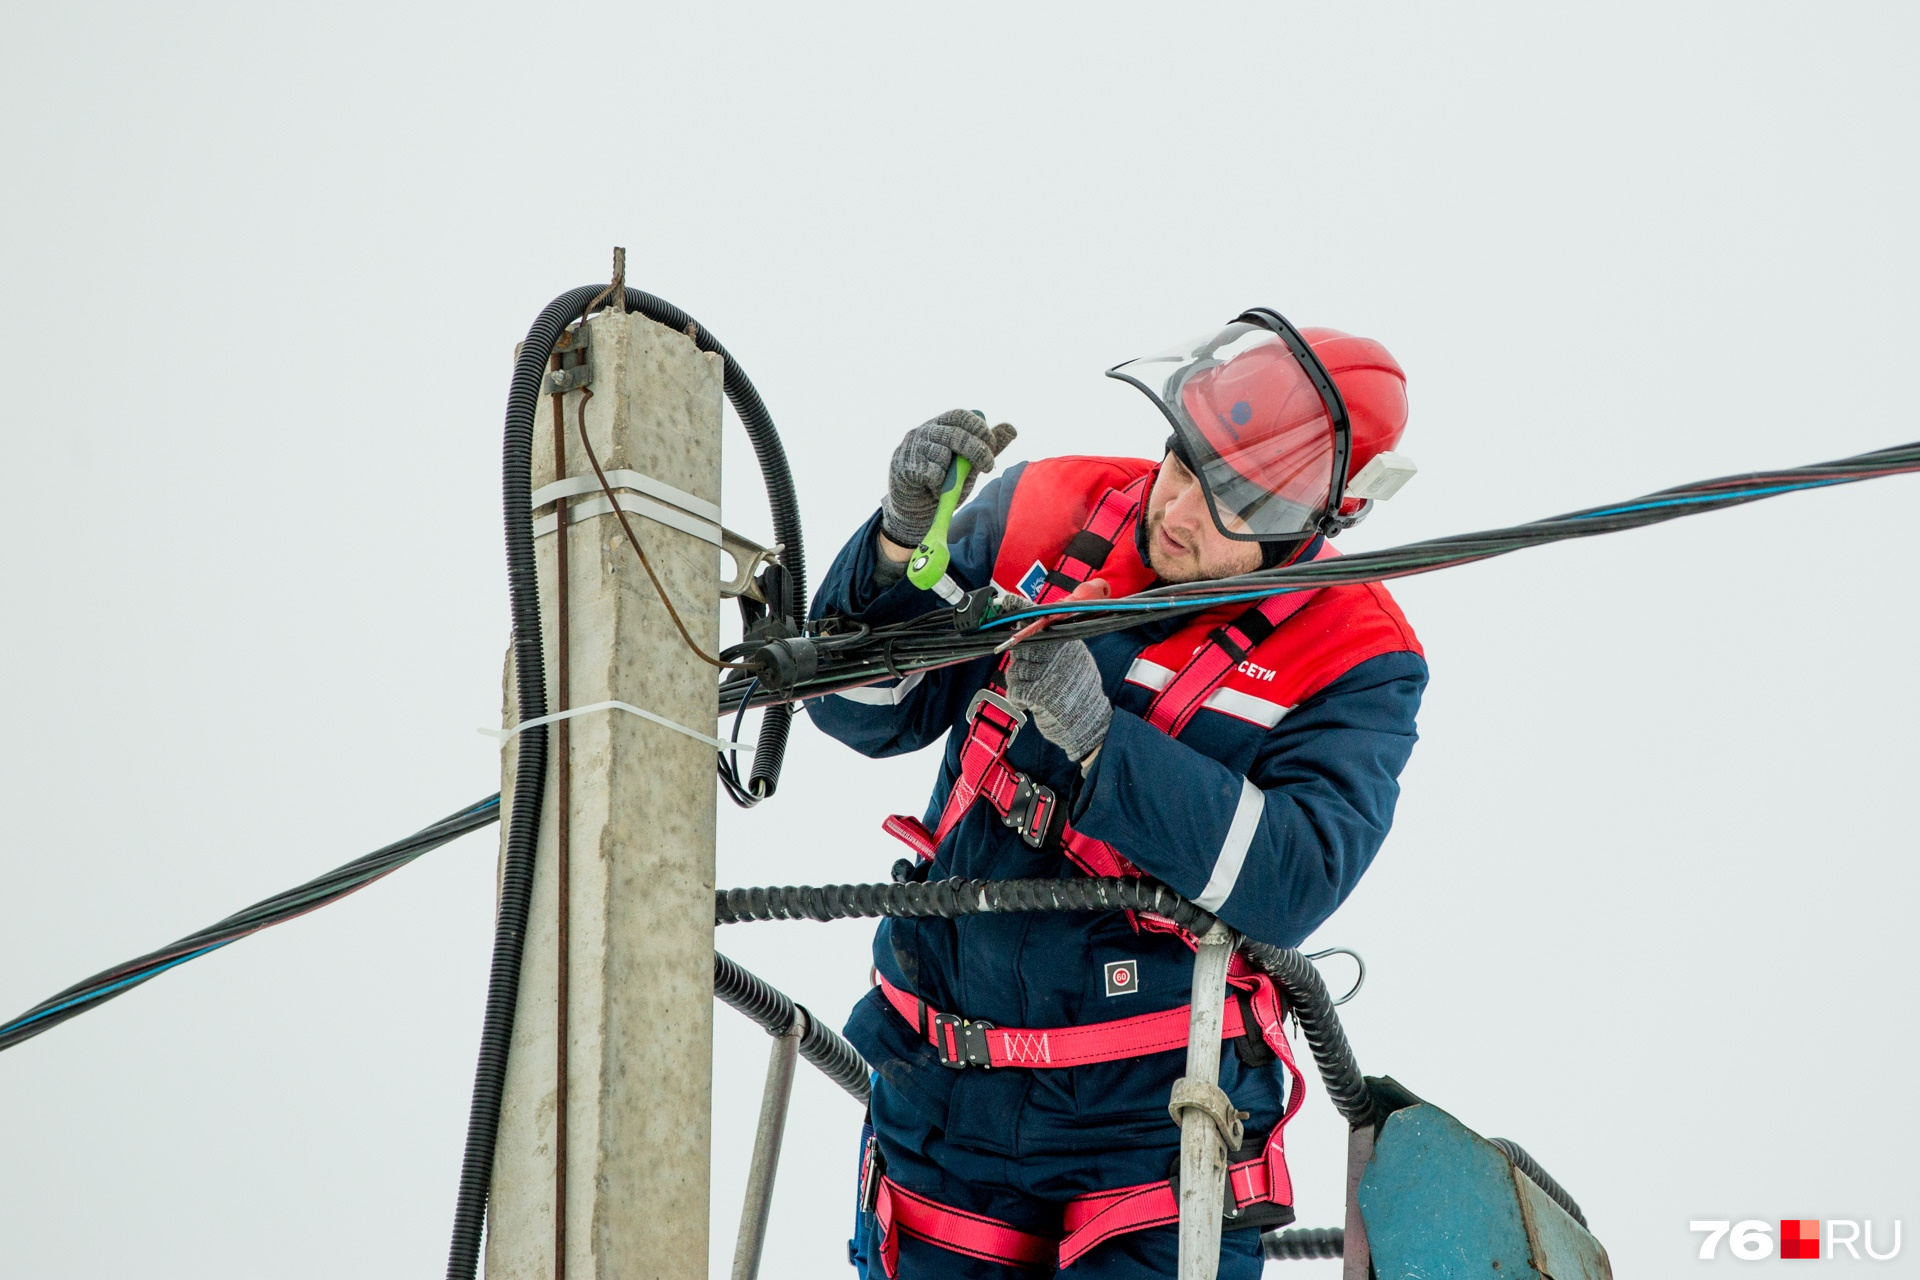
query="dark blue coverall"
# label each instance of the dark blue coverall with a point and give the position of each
(1012, 1143)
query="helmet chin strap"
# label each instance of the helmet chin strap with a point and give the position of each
(1275, 554)
(1272, 554)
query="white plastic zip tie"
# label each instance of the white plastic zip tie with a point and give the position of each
(718, 744)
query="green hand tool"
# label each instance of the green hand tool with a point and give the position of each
(928, 567)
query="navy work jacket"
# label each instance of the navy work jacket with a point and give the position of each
(1304, 805)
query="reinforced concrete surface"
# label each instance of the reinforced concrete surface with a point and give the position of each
(639, 1079)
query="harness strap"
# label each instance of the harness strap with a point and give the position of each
(1088, 549)
(962, 1042)
(1089, 1220)
(1174, 707)
(903, 1212)
(992, 721)
(1096, 1218)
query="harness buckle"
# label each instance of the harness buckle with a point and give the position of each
(1031, 811)
(987, 697)
(960, 1043)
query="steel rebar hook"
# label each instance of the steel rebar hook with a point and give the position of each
(1360, 978)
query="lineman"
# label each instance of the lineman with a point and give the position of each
(1247, 756)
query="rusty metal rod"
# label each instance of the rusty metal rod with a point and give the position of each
(562, 836)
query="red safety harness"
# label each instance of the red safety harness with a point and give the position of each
(1033, 810)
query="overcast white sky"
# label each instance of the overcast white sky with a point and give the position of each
(1647, 907)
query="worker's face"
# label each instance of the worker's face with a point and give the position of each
(1182, 543)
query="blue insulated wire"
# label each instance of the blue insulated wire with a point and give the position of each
(1713, 497)
(156, 971)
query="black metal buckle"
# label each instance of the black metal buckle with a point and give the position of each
(968, 1038)
(872, 1169)
(1031, 811)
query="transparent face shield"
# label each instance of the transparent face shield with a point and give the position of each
(1258, 421)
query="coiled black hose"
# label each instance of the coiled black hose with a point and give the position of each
(839, 1061)
(1305, 1242)
(1306, 994)
(529, 660)
(764, 777)
(1540, 1177)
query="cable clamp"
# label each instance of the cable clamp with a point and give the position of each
(573, 378)
(718, 744)
(1210, 1100)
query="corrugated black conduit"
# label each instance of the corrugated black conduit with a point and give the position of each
(1306, 994)
(1540, 1177)
(764, 777)
(529, 781)
(1302, 1243)
(529, 659)
(821, 1046)
(951, 898)
(1312, 1007)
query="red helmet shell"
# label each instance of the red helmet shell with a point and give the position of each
(1260, 414)
(1374, 387)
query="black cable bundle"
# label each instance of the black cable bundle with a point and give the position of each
(933, 640)
(311, 896)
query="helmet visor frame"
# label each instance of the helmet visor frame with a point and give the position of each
(1293, 501)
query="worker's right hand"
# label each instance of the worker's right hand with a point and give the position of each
(920, 465)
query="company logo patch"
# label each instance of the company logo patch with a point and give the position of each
(1036, 578)
(1123, 977)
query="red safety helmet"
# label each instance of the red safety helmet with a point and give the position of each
(1289, 431)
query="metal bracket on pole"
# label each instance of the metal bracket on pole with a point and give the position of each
(766, 1149)
(1205, 1120)
(644, 496)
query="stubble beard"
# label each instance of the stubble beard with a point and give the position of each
(1187, 569)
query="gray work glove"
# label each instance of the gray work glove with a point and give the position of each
(920, 465)
(1058, 684)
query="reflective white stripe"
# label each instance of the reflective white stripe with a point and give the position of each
(892, 695)
(1233, 851)
(1232, 702)
(1151, 674)
(1244, 706)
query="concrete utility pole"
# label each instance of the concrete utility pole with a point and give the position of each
(632, 804)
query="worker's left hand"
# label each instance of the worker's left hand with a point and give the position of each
(1058, 684)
